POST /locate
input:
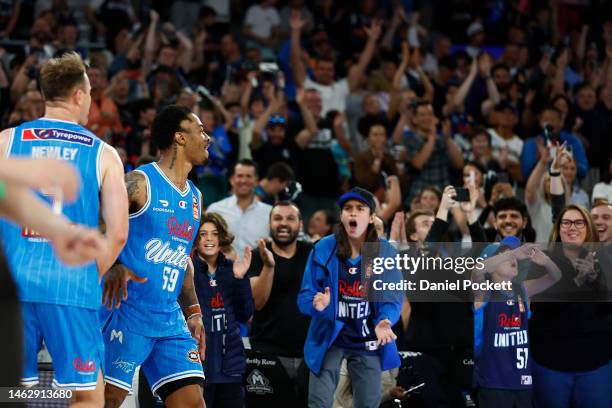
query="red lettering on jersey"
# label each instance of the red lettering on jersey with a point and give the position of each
(217, 301)
(87, 366)
(509, 321)
(183, 230)
(354, 290)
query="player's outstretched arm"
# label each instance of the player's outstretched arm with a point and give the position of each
(114, 208)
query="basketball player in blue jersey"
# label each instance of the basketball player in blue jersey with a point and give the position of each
(502, 363)
(152, 292)
(60, 302)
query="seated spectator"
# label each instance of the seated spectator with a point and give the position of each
(594, 110)
(372, 166)
(576, 194)
(602, 217)
(278, 176)
(428, 199)
(270, 143)
(226, 301)
(138, 138)
(603, 189)
(481, 151)
(550, 122)
(245, 215)
(104, 118)
(261, 27)
(510, 219)
(506, 146)
(212, 177)
(321, 224)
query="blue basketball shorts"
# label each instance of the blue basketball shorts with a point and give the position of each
(74, 341)
(163, 359)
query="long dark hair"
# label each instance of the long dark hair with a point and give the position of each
(343, 246)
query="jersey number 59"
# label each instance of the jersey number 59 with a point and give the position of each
(170, 277)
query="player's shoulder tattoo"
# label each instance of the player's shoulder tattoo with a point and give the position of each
(136, 186)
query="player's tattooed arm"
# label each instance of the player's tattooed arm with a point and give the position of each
(189, 303)
(136, 185)
(188, 296)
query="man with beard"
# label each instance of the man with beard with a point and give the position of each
(276, 276)
(511, 219)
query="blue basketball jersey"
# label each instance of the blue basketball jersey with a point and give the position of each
(501, 342)
(354, 311)
(40, 275)
(158, 247)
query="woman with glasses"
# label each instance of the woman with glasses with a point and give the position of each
(571, 336)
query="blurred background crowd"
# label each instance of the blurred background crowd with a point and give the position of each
(398, 97)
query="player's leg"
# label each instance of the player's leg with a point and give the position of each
(188, 396)
(74, 341)
(175, 372)
(90, 399)
(124, 351)
(32, 337)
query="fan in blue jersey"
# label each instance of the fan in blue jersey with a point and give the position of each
(156, 322)
(345, 324)
(502, 362)
(60, 302)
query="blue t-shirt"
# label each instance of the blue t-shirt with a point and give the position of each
(501, 342)
(354, 311)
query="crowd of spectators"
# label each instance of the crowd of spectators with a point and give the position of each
(304, 99)
(344, 94)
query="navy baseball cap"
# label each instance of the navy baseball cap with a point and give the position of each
(511, 242)
(359, 194)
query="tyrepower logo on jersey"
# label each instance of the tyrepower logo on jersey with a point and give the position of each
(509, 322)
(84, 367)
(56, 134)
(184, 230)
(32, 235)
(195, 208)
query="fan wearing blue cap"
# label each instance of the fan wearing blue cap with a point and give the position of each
(502, 364)
(345, 324)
